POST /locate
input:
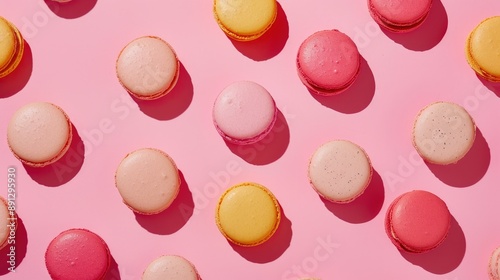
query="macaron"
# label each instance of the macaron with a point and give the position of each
(245, 20)
(399, 15)
(443, 133)
(6, 217)
(417, 221)
(340, 171)
(248, 214)
(482, 49)
(244, 113)
(494, 265)
(328, 62)
(11, 47)
(148, 181)
(148, 68)
(77, 254)
(39, 134)
(170, 267)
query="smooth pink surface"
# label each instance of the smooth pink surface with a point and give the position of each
(401, 11)
(39, 133)
(73, 65)
(147, 67)
(77, 254)
(340, 170)
(170, 267)
(148, 180)
(328, 61)
(419, 221)
(244, 112)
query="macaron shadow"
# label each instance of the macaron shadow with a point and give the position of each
(174, 217)
(470, 169)
(63, 170)
(270, 43)
(17, 80)
(173, 103)
(365, 207)
(444, 258)
(270, 148)
(72, 9)
(21, 247)
(493, 86)
(273, 248)
(426, 36)
(354, 99)
(113, 270)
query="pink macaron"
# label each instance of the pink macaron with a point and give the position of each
(170, 267)
(148, 180)
(148, 68)
(399, 15)
(417, 221)
(244, 113)
(39, 134)
(328, 62)
(494, 265)
(77, 254)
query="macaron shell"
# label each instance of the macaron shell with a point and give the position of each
(11, 47)
(148, 67)
(494, 265)
(39, 133)
(443, 133)
(483, 49)
(328, 61)
(400, 14)
(5, 218)
(419, 221)
(148, 180)
(244, 112)
(340, 171)
(245, 20)
(77, 254)
(248, 214)
(170, 267)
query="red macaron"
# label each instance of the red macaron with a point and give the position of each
(417, 221)
(399, 15)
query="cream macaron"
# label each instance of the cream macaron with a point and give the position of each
(170, 267)
(148, 180)
(340, 171)
(148, 68)
(39, 133)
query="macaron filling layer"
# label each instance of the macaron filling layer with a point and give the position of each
(245, 20)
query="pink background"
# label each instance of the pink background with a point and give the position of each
(70, 62)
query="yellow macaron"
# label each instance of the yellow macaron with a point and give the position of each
(483, 49)
(245, 20)
(248, 214)
(11, 47)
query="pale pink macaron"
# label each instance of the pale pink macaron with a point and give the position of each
(244, 112)
(443, 133)
(6, 217)
(340, 171)
(494, 265)
(148, 68)
(170, 267)
(39, 133)
(148, 180)
(328, 62)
